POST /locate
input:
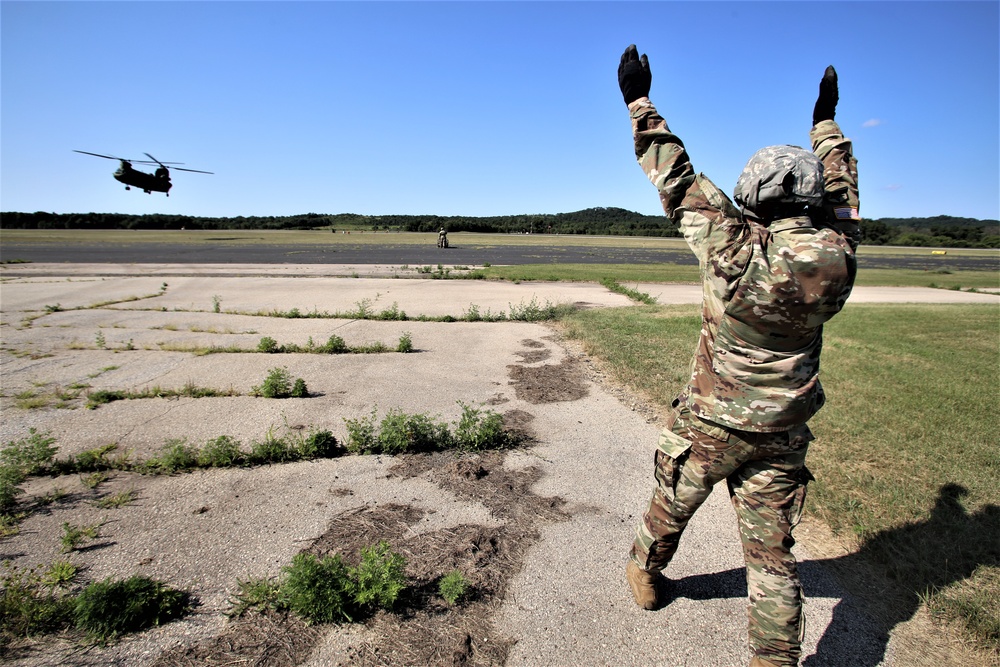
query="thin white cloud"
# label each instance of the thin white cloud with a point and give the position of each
(874, 122)
(893, 187)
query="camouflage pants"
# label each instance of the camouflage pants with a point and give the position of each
(767, 478)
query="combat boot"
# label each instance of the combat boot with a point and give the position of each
(757, 661)
(643, 585)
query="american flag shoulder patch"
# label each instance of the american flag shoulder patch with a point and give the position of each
(846, 213)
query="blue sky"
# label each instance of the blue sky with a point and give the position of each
(482, 108)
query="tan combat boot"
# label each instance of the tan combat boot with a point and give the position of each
(761, 662)
(643, 585)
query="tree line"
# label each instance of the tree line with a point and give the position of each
(939, 231)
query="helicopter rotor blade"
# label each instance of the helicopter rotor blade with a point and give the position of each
(154, 159)
(110, 157)
(197, 171)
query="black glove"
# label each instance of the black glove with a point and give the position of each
(633, 75)
(826, 104)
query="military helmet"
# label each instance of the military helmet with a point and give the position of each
(780, 174)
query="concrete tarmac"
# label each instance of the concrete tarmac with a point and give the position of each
(568, 605)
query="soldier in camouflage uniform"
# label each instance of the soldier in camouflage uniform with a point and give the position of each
(773, 271)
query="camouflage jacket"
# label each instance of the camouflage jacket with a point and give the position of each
(767, 290)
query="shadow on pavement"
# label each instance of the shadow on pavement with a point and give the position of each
(921, 556)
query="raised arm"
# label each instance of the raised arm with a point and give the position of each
(707, 218)
(840, 169)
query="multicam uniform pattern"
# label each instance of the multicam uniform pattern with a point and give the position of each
(754, 377)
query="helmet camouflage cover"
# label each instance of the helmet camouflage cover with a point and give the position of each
(776, 174)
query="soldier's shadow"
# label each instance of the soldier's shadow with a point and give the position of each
(914, 558)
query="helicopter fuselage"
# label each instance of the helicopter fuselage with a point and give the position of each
(158, 182)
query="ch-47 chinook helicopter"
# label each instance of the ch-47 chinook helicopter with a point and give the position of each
(159, 181)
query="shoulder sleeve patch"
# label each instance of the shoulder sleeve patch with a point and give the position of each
(846, 213)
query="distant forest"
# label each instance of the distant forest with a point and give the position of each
(939, 231)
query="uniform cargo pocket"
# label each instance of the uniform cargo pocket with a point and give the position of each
(670, 456)
(672, 444)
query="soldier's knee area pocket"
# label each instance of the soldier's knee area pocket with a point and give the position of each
(673, 445)
(756, 482)
(672, 452)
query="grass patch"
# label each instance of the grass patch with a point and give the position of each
(906, 459)
(108, 609)
(189, 390)
(530, 311)
(635, 295)
(35, 602)
(54, 396)
(623, 273)
(928, 278)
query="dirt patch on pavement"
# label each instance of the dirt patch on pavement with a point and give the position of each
(549, 383)
(424, 629)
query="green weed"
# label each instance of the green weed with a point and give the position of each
(318, 590)
(94, 479)
(21, 458)
(30, 454)
(399, 432)
(380, 577)
(74, 535)
(362, 310)
(91, 459)
(175, 456)
(453, 587)
(120, 499)
(255, 595)
(59, 574)
(478, 430)
(319, 444)
(268, 345)
(335, 345)
(532, 312)
(377, 347)
(29, 605)
(277, 384)
(361, 433)
(272, 450)
(220, 452)
(328, 590)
